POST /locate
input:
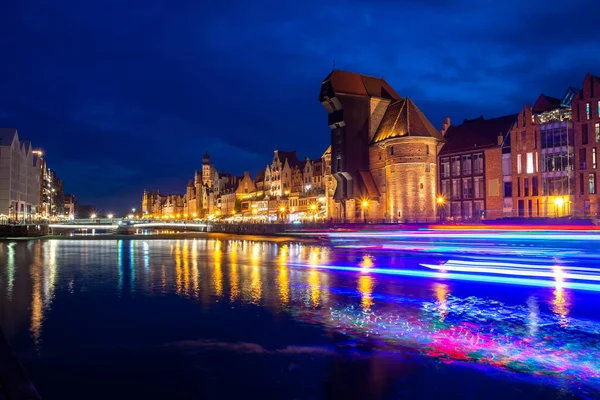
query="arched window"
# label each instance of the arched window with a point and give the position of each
(392, 150)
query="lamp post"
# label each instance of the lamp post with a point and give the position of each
(365, 207)
(313, 208)
(282, 211)
(440, 201)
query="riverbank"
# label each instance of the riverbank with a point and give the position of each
(175, 236)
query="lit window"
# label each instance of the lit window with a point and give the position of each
(597, 132)
(536, 162)
(587, 110)
(594, 157)
(530, 163)
(518, 163)
(599, 108)
(592, 183)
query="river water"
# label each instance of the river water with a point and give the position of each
(216, 317)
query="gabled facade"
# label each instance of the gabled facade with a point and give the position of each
(383, 151)
(542, 158)
(474, 173)
(19, 178)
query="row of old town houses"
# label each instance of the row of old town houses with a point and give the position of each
(29, 189)
(387, 163)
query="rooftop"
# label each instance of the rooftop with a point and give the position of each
(477, 133)
(344, 82)
(403, 118)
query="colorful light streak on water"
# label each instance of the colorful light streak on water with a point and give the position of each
(513, 338)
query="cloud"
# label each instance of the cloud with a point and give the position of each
(146, 88)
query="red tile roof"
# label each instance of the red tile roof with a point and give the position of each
(477, 133)
(403, 118)
(345, 82)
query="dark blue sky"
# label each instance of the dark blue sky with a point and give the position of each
(127, 95)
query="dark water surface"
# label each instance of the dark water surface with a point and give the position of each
(219, 318)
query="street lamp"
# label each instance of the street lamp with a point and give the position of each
(93, 216)
(559, 203)
(440, 201)
(109, 216)
(365, 206)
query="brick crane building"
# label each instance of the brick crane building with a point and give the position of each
(383, 151)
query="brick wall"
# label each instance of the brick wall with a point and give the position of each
(494, 192)
(408, 190)
(586, 204)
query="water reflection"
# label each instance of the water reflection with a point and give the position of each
(426, 314)
(560, 302)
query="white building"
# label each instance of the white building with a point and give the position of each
(19, 177)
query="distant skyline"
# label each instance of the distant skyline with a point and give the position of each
(123, 97)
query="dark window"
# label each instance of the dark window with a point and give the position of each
(534, 186)
(507, 189)
(584, 134)
(526, 186)
(535, 136)
(518, 187)
(582, 159)
(392, 150)
(338, 164)
(530, 207)
(521, 208)
(581, 185)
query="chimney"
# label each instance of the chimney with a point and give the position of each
(445, 125)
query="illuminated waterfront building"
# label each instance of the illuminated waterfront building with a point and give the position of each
(281, 172)
(475, 175)
(586, 124)
(383, 151)
(19, 178)
(542, 142)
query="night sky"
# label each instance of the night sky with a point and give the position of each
(126, 95)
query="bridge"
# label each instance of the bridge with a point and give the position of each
(109, 224)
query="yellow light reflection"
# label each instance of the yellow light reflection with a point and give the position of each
(218, 275)
(283, 279)
(441, 294)
(186, 268)
(195, 272)
(315, 287)
(367, 262)
(365, 288)
(178, 269)
(255, 278)
(560, 304)
(233, 277)
(314, 255)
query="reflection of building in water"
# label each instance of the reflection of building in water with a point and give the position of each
(560, 304)
(441, 294)
(234, 290)
(43, 273)
(314, 287)
(218, 272)
(283, 279)
(365, 288)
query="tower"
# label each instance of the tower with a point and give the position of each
(206, 178)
